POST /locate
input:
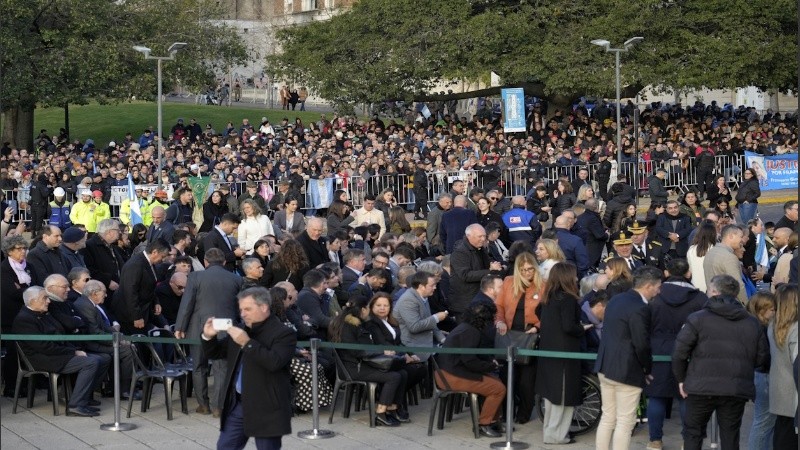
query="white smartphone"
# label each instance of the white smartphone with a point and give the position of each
(222, 324)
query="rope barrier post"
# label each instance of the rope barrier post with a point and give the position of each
(509, 442)
(117, 426)
(315, 433)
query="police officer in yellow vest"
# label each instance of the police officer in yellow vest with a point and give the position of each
(89, 212)
(125, 209)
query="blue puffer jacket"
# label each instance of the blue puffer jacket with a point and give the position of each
(59, 215)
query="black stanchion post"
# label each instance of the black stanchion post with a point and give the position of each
(117, 426)
(509, 442)
(315, 433)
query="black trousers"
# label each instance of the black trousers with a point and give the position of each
(393, 389)
(421, 202)
(785, 435)
(37, 218)
(729, 416)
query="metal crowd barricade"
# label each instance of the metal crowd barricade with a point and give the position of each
(680, 175)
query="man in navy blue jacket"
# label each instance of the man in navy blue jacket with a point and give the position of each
(673, 229)
(572, 246)
(624, 359)
(454, 222)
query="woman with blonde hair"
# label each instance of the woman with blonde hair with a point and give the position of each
(585, 192)
(549, 254)
(516, 311)
(782, 334)
(254, 226)
(620, 277)
(762, 307)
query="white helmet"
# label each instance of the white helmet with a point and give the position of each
(59, 192)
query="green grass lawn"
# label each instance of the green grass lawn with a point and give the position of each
(105, 123)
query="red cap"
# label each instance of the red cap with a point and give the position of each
(97, 194)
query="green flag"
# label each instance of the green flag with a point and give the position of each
(199, 187)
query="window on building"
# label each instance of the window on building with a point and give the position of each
(309, 5)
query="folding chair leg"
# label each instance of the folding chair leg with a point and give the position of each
(168, 395)
(336, 387)
(16, 391)
(373, 387)
(130, 397)
(31, 391)
(184, 403)
(348, 400)
(436, 399)
(54, 391)
(475, 413)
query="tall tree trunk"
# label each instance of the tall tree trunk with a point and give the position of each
(18, 127)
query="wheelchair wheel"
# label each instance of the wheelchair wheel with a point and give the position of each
(587, 415)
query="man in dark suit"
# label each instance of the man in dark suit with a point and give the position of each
(572, 246)
(61, 357)
(309, 300)
(208, 293)
(45, 258)
(104, 259)
(135, 300)
(218, 238)
(354, 262)
(595, 232)
(169, 296)
(160, 228)
(624, 359)
(97, 321)
(313, 244)
(257, 388)
(673, 229)
(454, 222)
(375, 279)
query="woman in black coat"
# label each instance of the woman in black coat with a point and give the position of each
(339, 216)
(13, 285)
(558, 381)
(213, 210)
(385, 331)
(348, 327)
(563, 198)
(289, 264)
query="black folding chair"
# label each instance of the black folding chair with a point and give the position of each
(180, 359)
(158, 373)
(25, 370)
(345, 381)
(442, 398)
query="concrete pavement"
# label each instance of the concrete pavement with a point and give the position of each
(37, 428)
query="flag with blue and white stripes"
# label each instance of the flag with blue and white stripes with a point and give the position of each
(136, 210)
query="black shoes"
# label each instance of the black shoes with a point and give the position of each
(137, 395)
(93, 402)
(489, 431)
(398, 415)
(82, 411)
(386, 420)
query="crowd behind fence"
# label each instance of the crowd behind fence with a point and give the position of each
(681, 174)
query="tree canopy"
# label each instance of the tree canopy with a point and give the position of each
(399, 49)
(58, 52)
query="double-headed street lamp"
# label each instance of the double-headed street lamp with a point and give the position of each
(625, 47)
(173, 50)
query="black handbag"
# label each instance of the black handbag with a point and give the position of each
(519, 340)
(385, 363)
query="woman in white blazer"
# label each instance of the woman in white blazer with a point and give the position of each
(254, 225)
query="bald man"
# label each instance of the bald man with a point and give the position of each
(780, 239)
(572, 246)
(522, 225)
(169, 296)
(160, 228)
(454, 222)
(313, 243)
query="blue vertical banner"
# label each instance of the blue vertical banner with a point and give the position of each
(136, 210)
(513, 110)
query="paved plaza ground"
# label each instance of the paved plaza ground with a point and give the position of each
(37, 428)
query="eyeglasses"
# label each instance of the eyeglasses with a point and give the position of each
(494, 199)
(528, 269)
(180, 287)
(19, 248)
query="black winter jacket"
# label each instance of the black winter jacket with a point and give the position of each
(718, 350)
(749, 191)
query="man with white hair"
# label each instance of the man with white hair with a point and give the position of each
(57, 289)
(104, 259)
(57, 356)
(312, 243)
(469, 263)
(98, 321)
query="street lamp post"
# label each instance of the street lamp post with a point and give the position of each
(173, 50)
(625, 47)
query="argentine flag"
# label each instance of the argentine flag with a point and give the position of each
(136, 211)
(762, 255)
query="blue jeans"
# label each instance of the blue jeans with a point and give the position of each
(763, 422)
(232, 436)
(657, 412)
(747, 211)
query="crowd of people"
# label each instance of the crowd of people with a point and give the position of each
(572, 266)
